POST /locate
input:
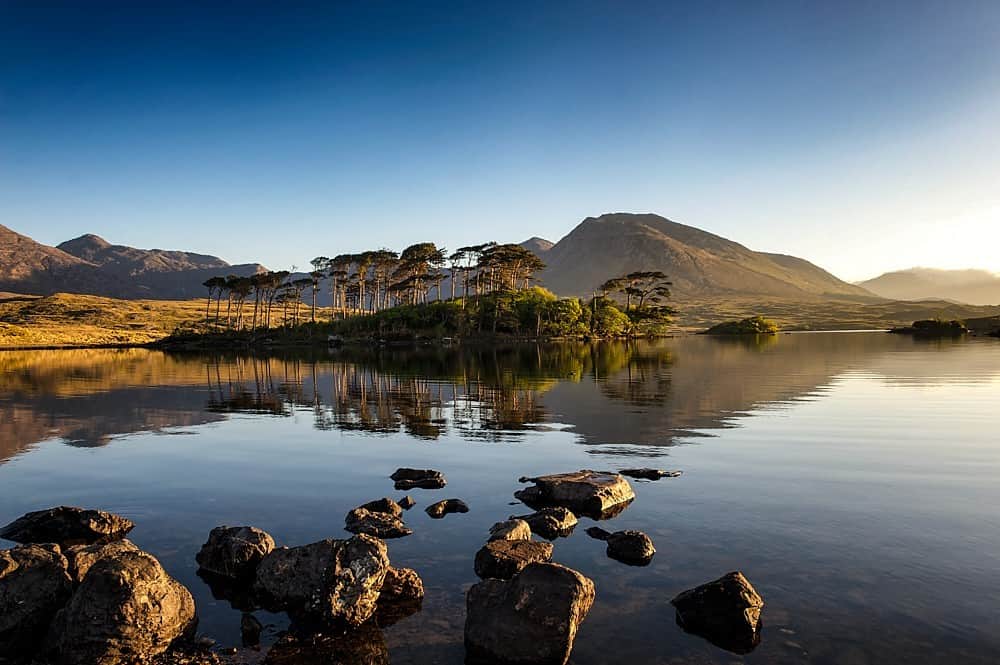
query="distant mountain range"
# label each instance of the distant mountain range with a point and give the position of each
(697, 262)
(90, 264)
(700, 265)
(975, 287)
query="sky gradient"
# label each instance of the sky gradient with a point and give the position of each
(862, 136)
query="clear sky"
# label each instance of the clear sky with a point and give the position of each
(864, 136)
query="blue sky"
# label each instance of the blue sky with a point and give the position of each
(862, 136)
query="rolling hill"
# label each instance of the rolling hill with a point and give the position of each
(698, 263)
(975, 287)
(91, 265)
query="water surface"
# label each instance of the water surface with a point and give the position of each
(851, 477)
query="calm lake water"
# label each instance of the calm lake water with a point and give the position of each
(852, 477)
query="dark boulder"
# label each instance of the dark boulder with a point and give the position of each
(380, 525)
(427, 479)
(726, 612)
(530, 619)
(234, 551)
(632, 547)
(34, 585)
(250, 630)
(649, 474)
(402, 595)
(328, 583)
(596, 494)
(127, 610)
(502, 559)
(407, 502)
(442, 508)
(513, 529)
(82, 557)
(66, 526)
(554, 522)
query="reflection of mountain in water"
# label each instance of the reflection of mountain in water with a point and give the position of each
(615, 393)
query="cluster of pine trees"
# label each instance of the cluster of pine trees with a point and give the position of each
(382, 292)
(373, 281)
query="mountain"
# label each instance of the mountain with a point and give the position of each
(975, 287)
(27, 266)
(158, 273)
(697, 262)
(91, 265)
(538, 246)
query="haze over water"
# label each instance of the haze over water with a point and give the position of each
(851, 477)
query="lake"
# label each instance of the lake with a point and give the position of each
(853, 477)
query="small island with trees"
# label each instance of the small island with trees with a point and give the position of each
(755, 325)
(483, 291)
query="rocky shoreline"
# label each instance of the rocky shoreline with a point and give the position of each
(75, 591)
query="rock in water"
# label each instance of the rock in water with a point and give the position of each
(407, 502)
(532, 618)
(402, 595)
(427, 479)
(82, 557)
(726, 612)
(649, 474)
(384, 505)
(234, 551)
(364, 646)
(502, 559)
(596, 494)
(127, 610)
(632, 547)
(380, 525)
(551, 523)
(513, 529)
(331, 583)
(250, 630)
(67, 525)
(442, 508)
(34, 585)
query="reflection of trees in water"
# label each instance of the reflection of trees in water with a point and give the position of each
(486, 395)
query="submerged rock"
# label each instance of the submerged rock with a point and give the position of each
(81, 558)
(234, 551)
(632, 547)
(532, 618)
(331, 582)
(596, 494)
(442, 508)
(428, 479)
(649, 474)
(551, 523)
(407, 502)
(250, 630)
(363, 646)
(502, 559)
(34, 585)
(512, 529)
(127, 610)
(726, 612)
(380, 525)
(67, 525)
(402, 595)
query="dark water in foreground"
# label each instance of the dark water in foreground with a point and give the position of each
(852, 477)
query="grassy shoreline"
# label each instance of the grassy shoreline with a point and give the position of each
(70, 321)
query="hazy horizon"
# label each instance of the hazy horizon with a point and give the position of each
(859, 137)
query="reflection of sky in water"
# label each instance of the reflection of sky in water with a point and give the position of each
(852, 478)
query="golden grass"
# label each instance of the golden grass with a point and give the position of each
(70, 320)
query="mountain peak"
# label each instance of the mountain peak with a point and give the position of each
(698, 263)
(536, 245)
